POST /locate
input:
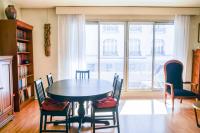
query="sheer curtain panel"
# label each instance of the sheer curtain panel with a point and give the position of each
(181, 45)
(71, 45)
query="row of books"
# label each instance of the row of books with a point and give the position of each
(21, 34)
(22, 71)
(25, 94)
(22, 83)
(22, 59)
(21, 47)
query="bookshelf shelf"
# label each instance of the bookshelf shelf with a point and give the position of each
(17, 40)
(23, 52)
(24, 65)
(22, 40)
(27, 76)
(24, 88)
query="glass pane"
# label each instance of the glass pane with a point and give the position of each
(92, 49)
(140, 56)
(111, 50)
(164, 42)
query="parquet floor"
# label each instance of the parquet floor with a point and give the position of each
(136, 116)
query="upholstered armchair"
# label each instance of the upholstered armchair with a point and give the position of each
(173, 70)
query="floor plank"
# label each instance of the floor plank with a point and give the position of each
(136, 116)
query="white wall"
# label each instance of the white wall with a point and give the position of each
(43, 65)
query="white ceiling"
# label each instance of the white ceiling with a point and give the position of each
(54, 3)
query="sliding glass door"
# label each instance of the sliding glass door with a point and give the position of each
(163, 51)
(136, 51)
(140, 56)
(111, 50)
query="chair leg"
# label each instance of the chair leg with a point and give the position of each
(172, 103)
(181, 100)
(117, 114)
(165, 97)
(45, 122)
(93, 120)
(197, 122)
(51, 118)
(41, 122)
(114, 119)
(72, 108)
(66, 124)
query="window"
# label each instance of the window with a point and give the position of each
(144, 48)
(110, 47)
(134, 48)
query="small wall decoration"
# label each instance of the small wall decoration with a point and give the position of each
(47, 42)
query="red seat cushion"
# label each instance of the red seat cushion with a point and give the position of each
(108, 102)
(53, 105)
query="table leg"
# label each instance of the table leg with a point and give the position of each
(195, 112)
(81, 114)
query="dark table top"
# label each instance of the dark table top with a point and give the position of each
(79, 90)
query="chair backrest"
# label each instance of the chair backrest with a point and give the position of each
(115, 79)
(173, 70)
(40, 91)
(114, 82)
(49, 79)
(82, 74)
(118, 88)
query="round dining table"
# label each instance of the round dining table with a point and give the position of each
(80, 90)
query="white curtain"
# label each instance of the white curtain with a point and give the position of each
(71, 45)
(181, 46)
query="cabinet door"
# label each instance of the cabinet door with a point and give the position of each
(1, 90)
(6, 83)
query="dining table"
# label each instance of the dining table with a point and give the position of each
(80, 90)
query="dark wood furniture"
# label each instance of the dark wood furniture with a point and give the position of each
(196, 107)
(50, 107)
(82, 74)
(173, 70)
(109, 104)
(196, 70)
(6, 90)
(49, 79)
(16, 40)
(79, 91)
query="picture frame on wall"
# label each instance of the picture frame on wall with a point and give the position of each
(199, 33)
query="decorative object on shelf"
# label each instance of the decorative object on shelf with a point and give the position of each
(47, 42)
(10, 11)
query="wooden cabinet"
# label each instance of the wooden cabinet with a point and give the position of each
(196, 70)
(6, 90)
(16, 40)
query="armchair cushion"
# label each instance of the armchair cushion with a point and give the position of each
(182, 92)
(53, 105)
(108, 102)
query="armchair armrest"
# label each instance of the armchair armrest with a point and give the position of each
(171, 87)
(192, 84)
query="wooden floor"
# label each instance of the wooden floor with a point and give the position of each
(136, 116)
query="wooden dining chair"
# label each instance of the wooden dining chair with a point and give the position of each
(50, 79)
(108, 104)
(82, 74)
(50, 107)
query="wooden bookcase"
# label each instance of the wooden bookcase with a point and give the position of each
(16, 40)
